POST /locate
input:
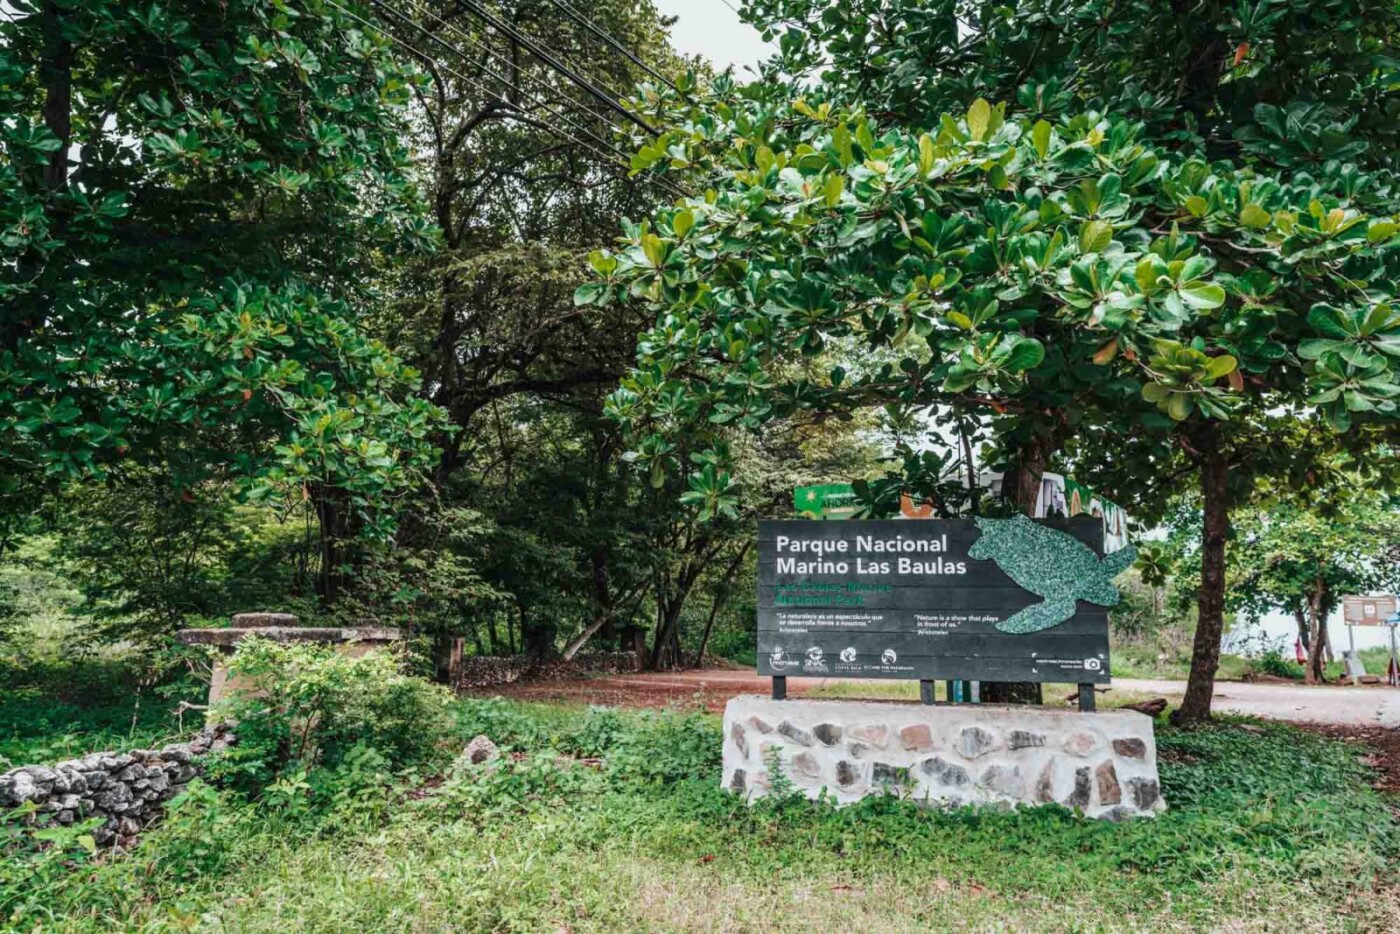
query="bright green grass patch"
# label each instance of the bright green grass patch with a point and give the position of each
(613, 821)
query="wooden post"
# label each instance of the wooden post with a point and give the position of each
(954, 695)
(926, 692)
(779, 687)
(1086, 698)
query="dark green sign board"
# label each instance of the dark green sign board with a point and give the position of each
(975, 599)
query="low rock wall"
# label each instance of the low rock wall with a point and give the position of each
(129, 790)
(479, 671)
(1103, 763)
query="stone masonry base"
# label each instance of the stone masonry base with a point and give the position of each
(1104, 764)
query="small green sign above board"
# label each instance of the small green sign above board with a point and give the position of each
(977, 599)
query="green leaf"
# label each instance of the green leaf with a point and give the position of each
(1221, 366)
(1196, 206)
(832, 189)
(1179, 406)
(1202, 295)
(1154, 392)
(654, 249)
(1026, 354)
(1040, 137)
(1381, 230)
(1095, 236)
(1255, 216)
(979, 116)
(926, 155)
(682, 223)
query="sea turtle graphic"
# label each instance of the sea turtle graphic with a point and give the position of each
(1051, 564)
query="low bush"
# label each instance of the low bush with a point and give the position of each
(315, 709)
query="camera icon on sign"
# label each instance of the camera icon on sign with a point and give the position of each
(1093, 664)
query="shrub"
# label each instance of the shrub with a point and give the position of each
(316, 705)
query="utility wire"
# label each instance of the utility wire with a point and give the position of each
(492, 53)
(545, 104)
(545, 56)
(424, 56)
(599, 150)
(598, 31)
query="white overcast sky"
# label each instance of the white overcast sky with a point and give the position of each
(712, 29)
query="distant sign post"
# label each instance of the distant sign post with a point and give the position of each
(979, 599)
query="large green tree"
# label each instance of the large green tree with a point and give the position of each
(1205, 82)
(191, 197)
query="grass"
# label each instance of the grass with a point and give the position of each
(613, 821)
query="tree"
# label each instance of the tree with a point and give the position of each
(190, 197)
(1268, 87)
(1302, 557)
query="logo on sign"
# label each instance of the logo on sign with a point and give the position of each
(848, 654)
(889, 657)
(814, 654)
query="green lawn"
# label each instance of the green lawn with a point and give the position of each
(609, 821)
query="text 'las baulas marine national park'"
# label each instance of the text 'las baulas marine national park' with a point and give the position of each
(980, 599)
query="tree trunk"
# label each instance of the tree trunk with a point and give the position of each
(1021, 486)
(1317, 621)
(721, 598)
(1301, 618)
(1210, 624)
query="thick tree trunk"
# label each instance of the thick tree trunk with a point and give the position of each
(1021, 486)
(1210, 624)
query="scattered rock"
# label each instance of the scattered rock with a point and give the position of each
(849, 774)
(1081, 744)
(804, 763)
(736, 781)
(1145, 793)
(942, 772)
(857, 750)
(736, 733)
(1131, 748)
(917, 737)
(1023, 739)
(828, 733)
(760, 724)
(974, 741)
(883, 773)
(480, 750)
(1079, 797)
(1106, 776)
(795, 733)
(876, 735)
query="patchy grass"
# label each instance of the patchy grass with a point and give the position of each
(600, 820)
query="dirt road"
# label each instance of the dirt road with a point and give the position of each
(1358, 706)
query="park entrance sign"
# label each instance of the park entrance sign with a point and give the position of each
(981, 599)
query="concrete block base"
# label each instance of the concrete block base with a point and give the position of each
(1102, 763)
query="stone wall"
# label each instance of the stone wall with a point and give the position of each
(129, 790)
(1104, 764)
(479, 671)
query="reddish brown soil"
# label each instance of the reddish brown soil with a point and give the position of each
(709, 689)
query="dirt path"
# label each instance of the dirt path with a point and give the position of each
(1347, 706)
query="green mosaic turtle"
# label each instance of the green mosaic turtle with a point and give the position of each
(1051, 564)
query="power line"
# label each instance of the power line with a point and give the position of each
(599, 150)
(544, 104)
(598, 31)
(419, 53)
(544, 56)
(454, 30)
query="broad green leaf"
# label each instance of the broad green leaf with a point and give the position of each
(1220, 366)
(1202, 295)
(1095, 236)
(926, 155)
(1025, 355)
(682, 223)
(1255, 216)
(1196, 206)
(1381, 230)
(979, 116)
(1179, 406)
(1154, 392)
(960, 319)
(1040, 137)
(654, 249)
(832, 189)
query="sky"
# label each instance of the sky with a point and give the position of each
(711, 28)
